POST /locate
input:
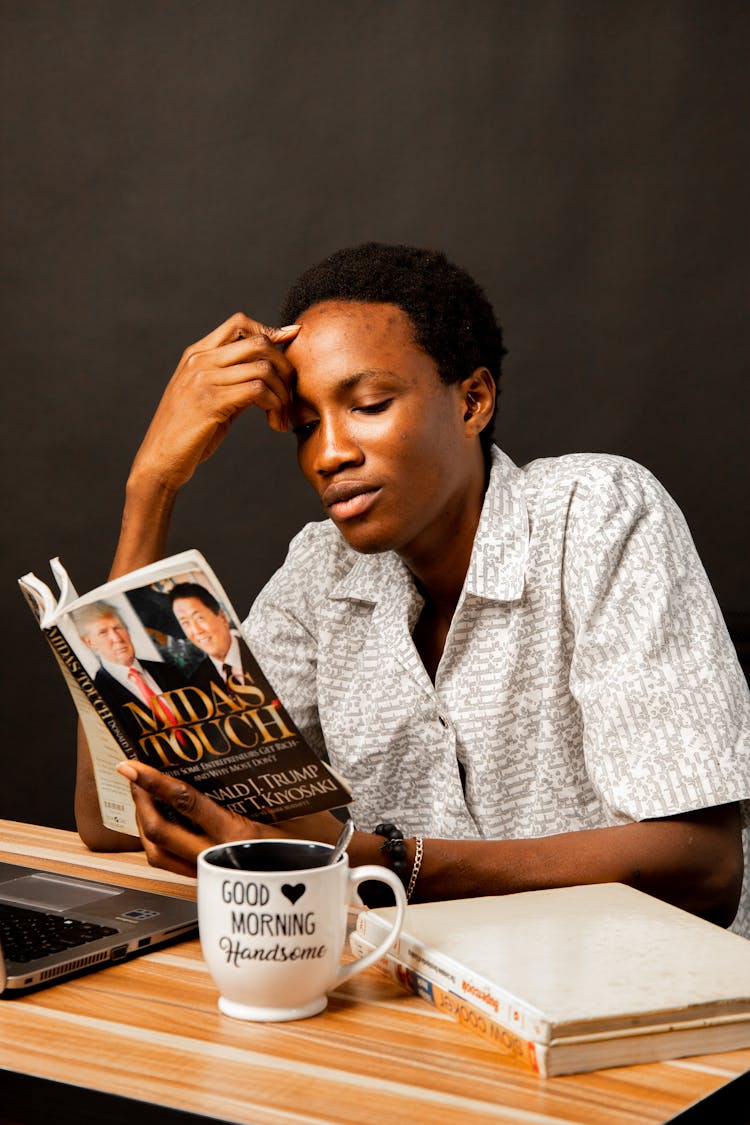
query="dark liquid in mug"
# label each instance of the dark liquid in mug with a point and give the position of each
(271, 855)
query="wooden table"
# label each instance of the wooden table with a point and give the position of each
(150, 1029)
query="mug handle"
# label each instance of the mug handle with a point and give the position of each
(383, 875)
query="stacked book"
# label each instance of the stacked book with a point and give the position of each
(576, 978)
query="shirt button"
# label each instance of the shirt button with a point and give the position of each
(442, 721)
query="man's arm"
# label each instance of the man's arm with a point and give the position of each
(693, 860)
(237, 366)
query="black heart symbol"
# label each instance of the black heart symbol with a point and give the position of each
(293, 892)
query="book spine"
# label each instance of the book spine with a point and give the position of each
(504, 1008)
(72, 667)
(514, 1048)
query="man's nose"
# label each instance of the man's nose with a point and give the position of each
(335, 447)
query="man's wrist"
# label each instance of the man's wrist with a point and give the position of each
(150, 485)
(404, 857)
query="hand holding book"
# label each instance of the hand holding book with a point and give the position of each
(169, 844)
(160, 673)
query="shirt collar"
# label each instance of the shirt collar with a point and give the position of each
(497, 567)
(121, 672)
(370, 577)
(232, 656)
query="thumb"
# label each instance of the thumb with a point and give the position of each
(282, 335)
(250, 327)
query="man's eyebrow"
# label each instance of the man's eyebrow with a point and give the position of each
(357, 377)
(349, 382)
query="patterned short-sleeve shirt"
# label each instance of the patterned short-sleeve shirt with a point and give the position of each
(587, 679)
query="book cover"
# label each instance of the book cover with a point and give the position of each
(159, 671)
(576, 965)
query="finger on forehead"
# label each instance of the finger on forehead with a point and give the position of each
(245, 385)
(249, 348)
(235, 328)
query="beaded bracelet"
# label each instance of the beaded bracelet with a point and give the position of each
(395, 848)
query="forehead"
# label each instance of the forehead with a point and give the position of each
(190, 605)
(339, 339)
(106, 621)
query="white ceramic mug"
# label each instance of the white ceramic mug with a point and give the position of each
(272, 920)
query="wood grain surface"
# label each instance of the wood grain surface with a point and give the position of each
(150, 1029)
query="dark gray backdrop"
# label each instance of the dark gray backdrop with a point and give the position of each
(166, 163)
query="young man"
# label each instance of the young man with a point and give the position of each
(523, 670)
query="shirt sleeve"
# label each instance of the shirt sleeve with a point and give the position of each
(665, 706)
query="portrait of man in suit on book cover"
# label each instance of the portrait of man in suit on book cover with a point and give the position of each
(207, 625)
(122, 676)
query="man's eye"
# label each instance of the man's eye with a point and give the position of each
(374, 407)
(304, 429)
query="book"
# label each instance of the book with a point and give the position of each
(515, 1049)
(159, 671)
(593, 976)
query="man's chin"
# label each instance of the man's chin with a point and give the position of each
(365, 541)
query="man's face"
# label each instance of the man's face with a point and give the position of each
(380, 437)
(205, 628)
(110, 639)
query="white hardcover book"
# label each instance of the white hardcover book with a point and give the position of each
(573, 1054)
(584, 963)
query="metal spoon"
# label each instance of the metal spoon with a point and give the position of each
(342, 843)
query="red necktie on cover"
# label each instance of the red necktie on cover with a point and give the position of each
(156, 702)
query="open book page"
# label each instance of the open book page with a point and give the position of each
(44, 604)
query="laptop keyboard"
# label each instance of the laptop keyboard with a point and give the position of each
(29, 934)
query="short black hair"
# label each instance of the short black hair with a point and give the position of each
(194, 590)
(453, 321)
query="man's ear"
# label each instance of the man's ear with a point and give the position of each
(478, 392)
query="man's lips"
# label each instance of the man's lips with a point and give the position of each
(348, 498)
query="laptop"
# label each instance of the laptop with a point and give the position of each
(53, 925)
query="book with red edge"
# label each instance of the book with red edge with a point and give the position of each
(514, 1048)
